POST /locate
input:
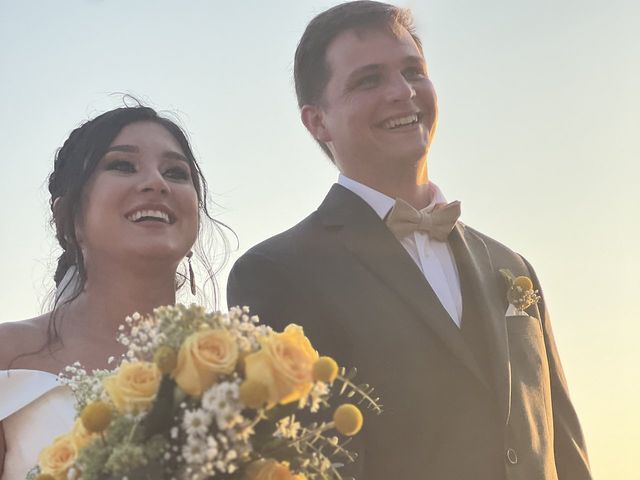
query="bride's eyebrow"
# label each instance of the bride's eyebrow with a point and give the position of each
(169, 154)
(123, 148)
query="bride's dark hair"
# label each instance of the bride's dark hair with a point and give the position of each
(74, 164)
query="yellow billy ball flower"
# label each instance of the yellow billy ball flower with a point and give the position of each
(254, 394)
(165, 358)
(96, 416)
(524, 283)
(348, 419)
(45, 476)
(325, 370)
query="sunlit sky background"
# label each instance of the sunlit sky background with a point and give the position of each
(538, 138)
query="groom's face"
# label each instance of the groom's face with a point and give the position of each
(379, 108)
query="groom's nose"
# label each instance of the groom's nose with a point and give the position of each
(399, 89)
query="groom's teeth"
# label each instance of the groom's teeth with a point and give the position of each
(152, 214)
(401, 122)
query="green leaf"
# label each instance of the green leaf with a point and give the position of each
(159, 419)
(508, 276)
(280, 450)
(281, 411)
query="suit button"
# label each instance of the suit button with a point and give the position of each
(512, 457)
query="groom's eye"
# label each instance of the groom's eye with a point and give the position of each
(368, 81)
(414, 73)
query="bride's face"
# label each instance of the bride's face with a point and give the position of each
(140, 202)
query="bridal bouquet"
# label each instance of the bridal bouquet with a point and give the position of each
(209, 395)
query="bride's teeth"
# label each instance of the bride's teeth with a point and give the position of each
(134, 217)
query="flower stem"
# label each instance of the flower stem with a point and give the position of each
(133, 431)
(313, 433)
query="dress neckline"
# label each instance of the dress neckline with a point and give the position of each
(20, 387)
(11, 370)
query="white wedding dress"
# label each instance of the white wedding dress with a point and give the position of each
(34, 409)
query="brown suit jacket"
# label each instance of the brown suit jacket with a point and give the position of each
(492, 405)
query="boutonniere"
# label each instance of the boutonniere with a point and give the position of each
(520, 292)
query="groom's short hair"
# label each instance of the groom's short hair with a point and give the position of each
(310, 69)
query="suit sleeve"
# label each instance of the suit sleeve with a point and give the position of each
(255, 281)
(570, 451)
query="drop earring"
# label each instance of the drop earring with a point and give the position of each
(192, 277)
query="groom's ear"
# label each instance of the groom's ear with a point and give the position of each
(313, 118)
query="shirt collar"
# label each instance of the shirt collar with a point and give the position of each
(382, 203)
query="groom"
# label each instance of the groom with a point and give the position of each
(413, 299)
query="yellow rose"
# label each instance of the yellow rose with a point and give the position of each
(134, 386)
(270, 470)
(81, 437)
(58, 457)
(284, 364)
(203, 357)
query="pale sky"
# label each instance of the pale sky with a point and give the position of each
(538, 117)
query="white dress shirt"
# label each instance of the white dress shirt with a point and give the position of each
(433, 258)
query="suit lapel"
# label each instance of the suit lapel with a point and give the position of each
(370, 241)
(479, 280)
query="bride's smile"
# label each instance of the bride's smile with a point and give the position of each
(151, 213)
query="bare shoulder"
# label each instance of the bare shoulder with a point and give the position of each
(17, 338)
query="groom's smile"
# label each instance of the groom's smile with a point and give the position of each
(402, 122)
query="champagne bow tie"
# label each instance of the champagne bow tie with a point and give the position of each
(438, 223)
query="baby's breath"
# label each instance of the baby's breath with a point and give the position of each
(288, 428)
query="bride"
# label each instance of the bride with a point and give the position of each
(127, 198)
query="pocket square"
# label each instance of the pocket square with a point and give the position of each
(512, 311)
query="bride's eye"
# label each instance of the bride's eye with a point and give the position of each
(178, 173)
(121, 166)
